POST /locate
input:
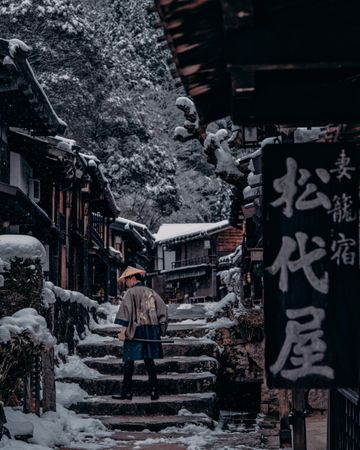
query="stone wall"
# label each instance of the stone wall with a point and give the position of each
(241, 360)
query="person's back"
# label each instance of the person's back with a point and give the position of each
(143, 316)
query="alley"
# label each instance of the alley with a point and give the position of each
(186, 416)
(179, 225)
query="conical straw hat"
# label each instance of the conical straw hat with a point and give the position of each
(130, 271)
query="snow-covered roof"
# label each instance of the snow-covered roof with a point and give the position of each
(178, 231)
(140, 228)
(131, 222)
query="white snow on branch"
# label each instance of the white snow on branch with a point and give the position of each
(188, 107)
(213, 308)
(26, 319)
(181, 134)
(15, 45)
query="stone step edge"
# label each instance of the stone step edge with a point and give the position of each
(165, 360)
(161, 376)
(173, 326)
(146, 400)
(177, 341)
(153, 423)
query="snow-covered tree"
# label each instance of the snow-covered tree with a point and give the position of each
(106, 74)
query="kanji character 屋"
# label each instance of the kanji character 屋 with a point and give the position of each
(303, 347)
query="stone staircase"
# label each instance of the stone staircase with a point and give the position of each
(187, 379)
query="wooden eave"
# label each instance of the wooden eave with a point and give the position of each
(21, 210)
(132, 237)
(23, 100)
(295, 61)
(194, 31)
(36, 149)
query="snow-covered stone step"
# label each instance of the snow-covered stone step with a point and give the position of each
(174, 330)
(181, 347)
(168, 384)
(179, 364)
(154, 423)
(143, 406)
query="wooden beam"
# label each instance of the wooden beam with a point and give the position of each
(299, 98)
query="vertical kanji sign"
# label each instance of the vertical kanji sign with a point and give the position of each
(311, 265)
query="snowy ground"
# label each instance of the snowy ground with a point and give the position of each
(60, 428)
(65, 429)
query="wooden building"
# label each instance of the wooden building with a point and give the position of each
(22, 104)
(187, 258)
(280, 62)
(49, 188)
(133, 242)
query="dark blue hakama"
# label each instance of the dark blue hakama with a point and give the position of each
(134, 351)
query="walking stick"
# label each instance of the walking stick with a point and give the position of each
(161, 341)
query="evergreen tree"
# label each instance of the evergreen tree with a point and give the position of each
(106, 75)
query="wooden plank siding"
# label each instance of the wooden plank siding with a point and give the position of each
(228, 240)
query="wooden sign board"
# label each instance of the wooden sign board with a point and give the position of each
(311, 265)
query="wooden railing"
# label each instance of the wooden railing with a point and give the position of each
(344, 420)
(194, 261)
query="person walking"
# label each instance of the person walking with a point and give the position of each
(143, 318)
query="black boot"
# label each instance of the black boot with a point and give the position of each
(123, 396)
(126, 389)
(153, 381)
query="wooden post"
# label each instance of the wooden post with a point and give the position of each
(32, 388)
(285, 431)
(4, 153)
(241, 289)
(48, 381)
(299, 424)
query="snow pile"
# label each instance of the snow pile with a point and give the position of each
(212, 309)
(231, 278)
(74, 367)
(68, 394)
(185, 412)
(51, 292)
(192, 322)
(60, 428)
(93, 338)
(222, 322)
(185, 306)
(198, 437)
(26, 319)
(109, 311)
(21, 246)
